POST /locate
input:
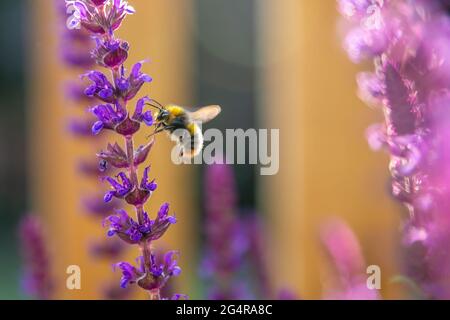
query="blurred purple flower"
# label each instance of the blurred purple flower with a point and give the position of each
(225, 237)
(75, 91)
(411, 84)
(73, 43)
(286, 294)
(37, 279)
(235, 264)
(355, 8)
(346, 257)
(81, 128)
(93, 168)
(179, 296)
(96, 206)
(256, 234)
(112, 291)
(110, 248)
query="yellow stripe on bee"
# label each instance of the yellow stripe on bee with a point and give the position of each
(175, 110)
(192, 128)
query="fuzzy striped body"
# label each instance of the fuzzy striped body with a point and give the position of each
(185, 131)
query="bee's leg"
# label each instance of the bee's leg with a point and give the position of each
(157, 130)
(160, 128)
(167, 127)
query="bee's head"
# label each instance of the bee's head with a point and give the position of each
(163, 115)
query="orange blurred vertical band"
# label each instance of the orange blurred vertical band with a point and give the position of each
(159, 31)
(326, 168)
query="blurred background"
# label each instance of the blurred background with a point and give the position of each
(269, 64)
(14, 193)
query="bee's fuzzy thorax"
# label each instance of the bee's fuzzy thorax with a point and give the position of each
(175, 110)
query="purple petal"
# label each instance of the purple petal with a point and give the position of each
(152, 186)
(123, 214)
(146, 78)
(82, 9)
(140, 107)
(172, 219)
(176, 271)
(108, 196)
(163, 211)
(145, 177)
(135, 71)
(99, 78)
(97, 127)
(148, 118)
(116, 185)
(105, 93)
(169, 258)
(90, 91)
(111, 232)
(122, 84)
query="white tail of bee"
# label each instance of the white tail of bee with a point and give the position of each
(188, 146)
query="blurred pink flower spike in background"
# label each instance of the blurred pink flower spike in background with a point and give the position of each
(408, 42)
(345, 256)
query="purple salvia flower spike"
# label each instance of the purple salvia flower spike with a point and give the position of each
(101, 19)
(408, 42)
(225, 235)
(76, 46)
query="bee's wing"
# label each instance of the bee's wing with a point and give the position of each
(205, 114)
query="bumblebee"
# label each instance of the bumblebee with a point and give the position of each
(183, 125)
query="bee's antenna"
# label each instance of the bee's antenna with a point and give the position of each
(159, 104)
(154, 106)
